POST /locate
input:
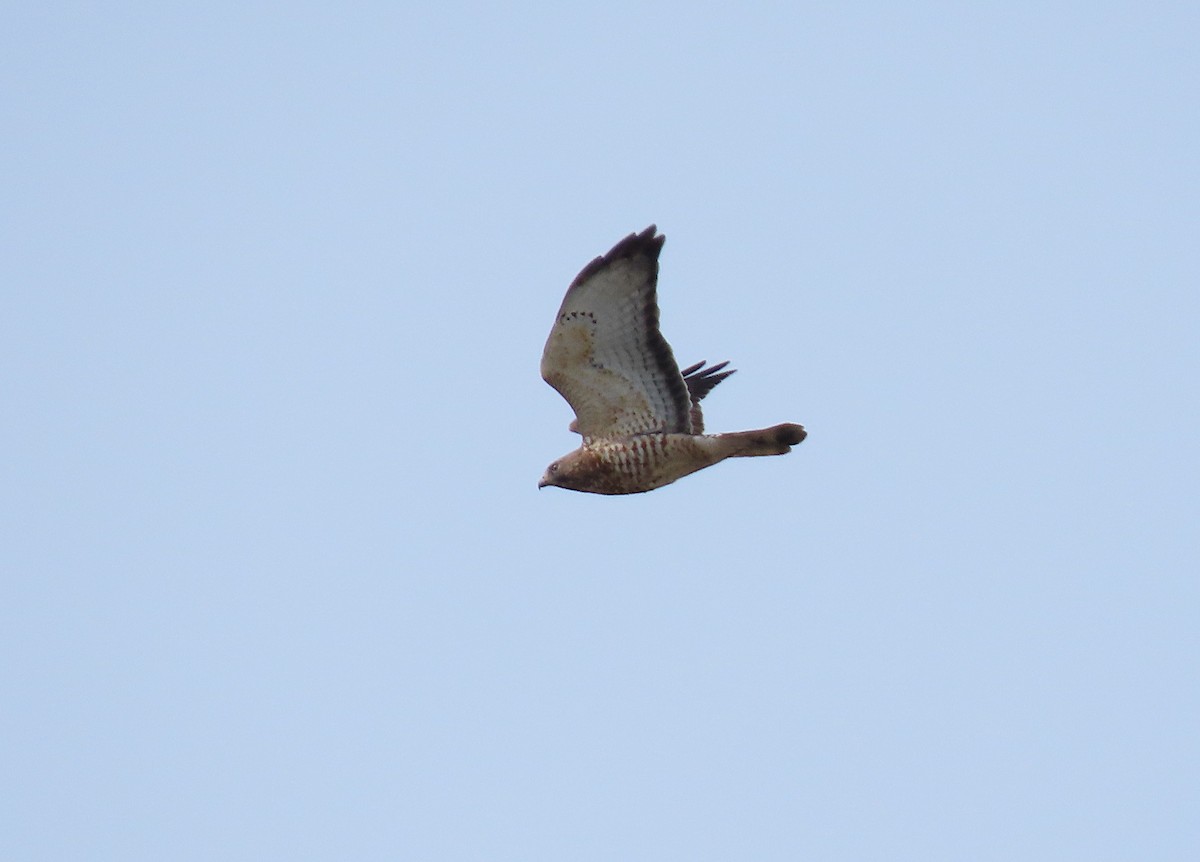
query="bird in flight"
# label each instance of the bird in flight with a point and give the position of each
(638, 413)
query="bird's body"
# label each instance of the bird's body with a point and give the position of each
(639, 414)
(643, 462)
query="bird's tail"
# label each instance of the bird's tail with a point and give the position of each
(776, 440)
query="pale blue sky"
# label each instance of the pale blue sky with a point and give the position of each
(278, 582)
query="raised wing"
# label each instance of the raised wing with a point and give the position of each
(605, 354)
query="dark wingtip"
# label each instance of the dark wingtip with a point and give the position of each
(649, 242)
(700, 380)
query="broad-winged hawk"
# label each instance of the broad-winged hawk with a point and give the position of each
(639, 414)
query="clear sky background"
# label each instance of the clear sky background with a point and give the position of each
(277, 579)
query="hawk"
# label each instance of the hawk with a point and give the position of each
(638, 413)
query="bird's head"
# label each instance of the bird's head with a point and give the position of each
(576, 471)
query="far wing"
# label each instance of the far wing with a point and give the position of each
(700, 381)
(606, 355)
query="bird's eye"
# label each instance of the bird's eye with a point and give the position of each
(554, 467)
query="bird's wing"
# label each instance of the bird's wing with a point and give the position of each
(606, 355)
(700, 381)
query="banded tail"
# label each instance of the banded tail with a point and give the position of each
(776, 440)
